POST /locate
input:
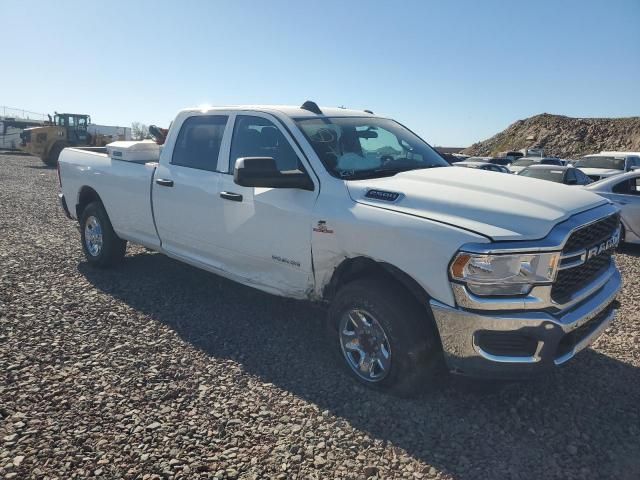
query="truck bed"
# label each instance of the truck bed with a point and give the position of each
(124, 188)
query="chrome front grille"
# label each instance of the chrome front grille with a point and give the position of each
(586, 266)
(573, 279)
(590, 235)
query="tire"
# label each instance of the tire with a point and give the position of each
(51, 160)
(100, 244)
(409, 336)
(621, 242)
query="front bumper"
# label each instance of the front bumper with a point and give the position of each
(503, 344)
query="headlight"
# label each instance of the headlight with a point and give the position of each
(509, 274)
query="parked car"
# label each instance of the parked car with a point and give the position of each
(533, 152)
(511, 155)
(504, 161)
(524, 162)
(624, 191)
(482, 166)
(495, 160)
(600, 165)
(417, 264)
(554, 173)
(450, 158)
(604, 152)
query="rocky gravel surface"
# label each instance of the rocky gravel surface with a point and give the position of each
(158, 370)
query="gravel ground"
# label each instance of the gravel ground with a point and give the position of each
(159, 370)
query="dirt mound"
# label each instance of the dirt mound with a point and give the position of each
(564, 137)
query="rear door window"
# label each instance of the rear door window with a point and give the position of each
(198, 143)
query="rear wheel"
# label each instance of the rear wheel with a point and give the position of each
(383, 337)
(101, 245)
(51, 160)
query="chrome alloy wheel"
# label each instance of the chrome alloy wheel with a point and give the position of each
(93, 236)
(365, 345)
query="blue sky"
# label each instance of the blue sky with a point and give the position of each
(454, 71)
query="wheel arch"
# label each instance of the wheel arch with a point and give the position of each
(354, 268)
(86, 195)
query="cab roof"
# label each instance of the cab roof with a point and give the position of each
(60, 114)
(288, 110)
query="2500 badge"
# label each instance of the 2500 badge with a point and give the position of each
(293, 263)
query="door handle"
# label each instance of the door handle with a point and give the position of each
(620, 202)
(164, 182)
(234, 197)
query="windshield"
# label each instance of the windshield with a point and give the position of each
(355, 147)
(543, 174)
(610, 163)
(522, 163)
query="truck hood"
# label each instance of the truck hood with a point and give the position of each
(497, 205)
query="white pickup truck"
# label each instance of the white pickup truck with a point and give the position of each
(421, 265)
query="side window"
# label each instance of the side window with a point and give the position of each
(198, 144)
(259, 137)
(621, 187)
(571, 176)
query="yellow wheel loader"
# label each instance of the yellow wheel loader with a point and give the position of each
(64, 130)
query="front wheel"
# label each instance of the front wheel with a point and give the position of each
(101, 245)
(383, 337)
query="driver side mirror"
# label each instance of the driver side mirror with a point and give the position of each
(635, 167)
(263, 172)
